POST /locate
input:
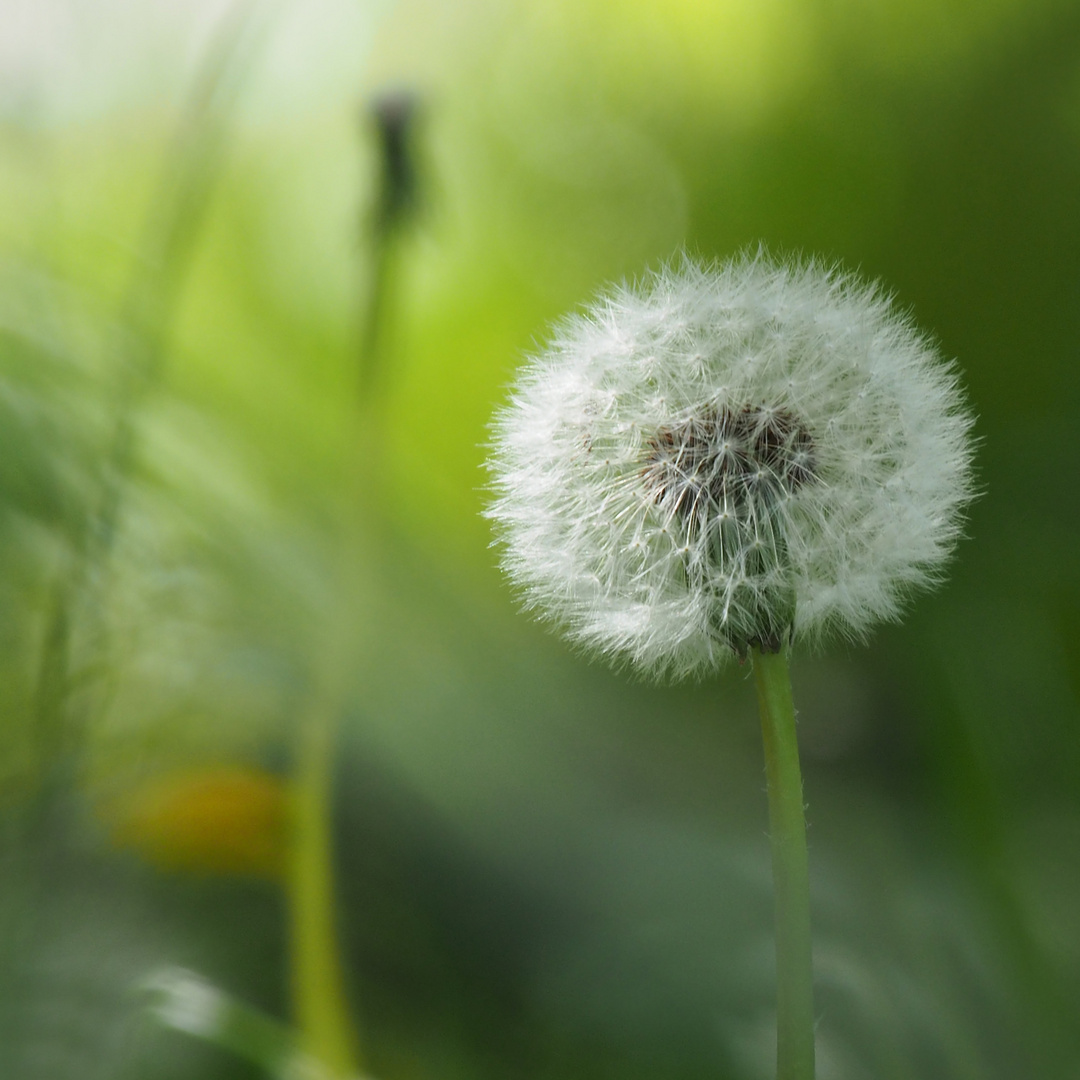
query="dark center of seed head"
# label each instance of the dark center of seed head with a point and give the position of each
(722, 460)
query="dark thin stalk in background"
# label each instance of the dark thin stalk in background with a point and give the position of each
(317, 979)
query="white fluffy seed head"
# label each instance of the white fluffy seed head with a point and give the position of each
(729, 456)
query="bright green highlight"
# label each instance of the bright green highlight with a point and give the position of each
(787, 835)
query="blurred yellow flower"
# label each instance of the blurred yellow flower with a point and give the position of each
(219, 820)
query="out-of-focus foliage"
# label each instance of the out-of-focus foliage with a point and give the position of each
(544, 870)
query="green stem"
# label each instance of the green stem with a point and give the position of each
(787, 834)
(318, 983)
(320, 1004)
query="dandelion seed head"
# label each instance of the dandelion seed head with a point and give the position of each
(726, 457)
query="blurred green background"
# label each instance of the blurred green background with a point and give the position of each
(544, 869)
